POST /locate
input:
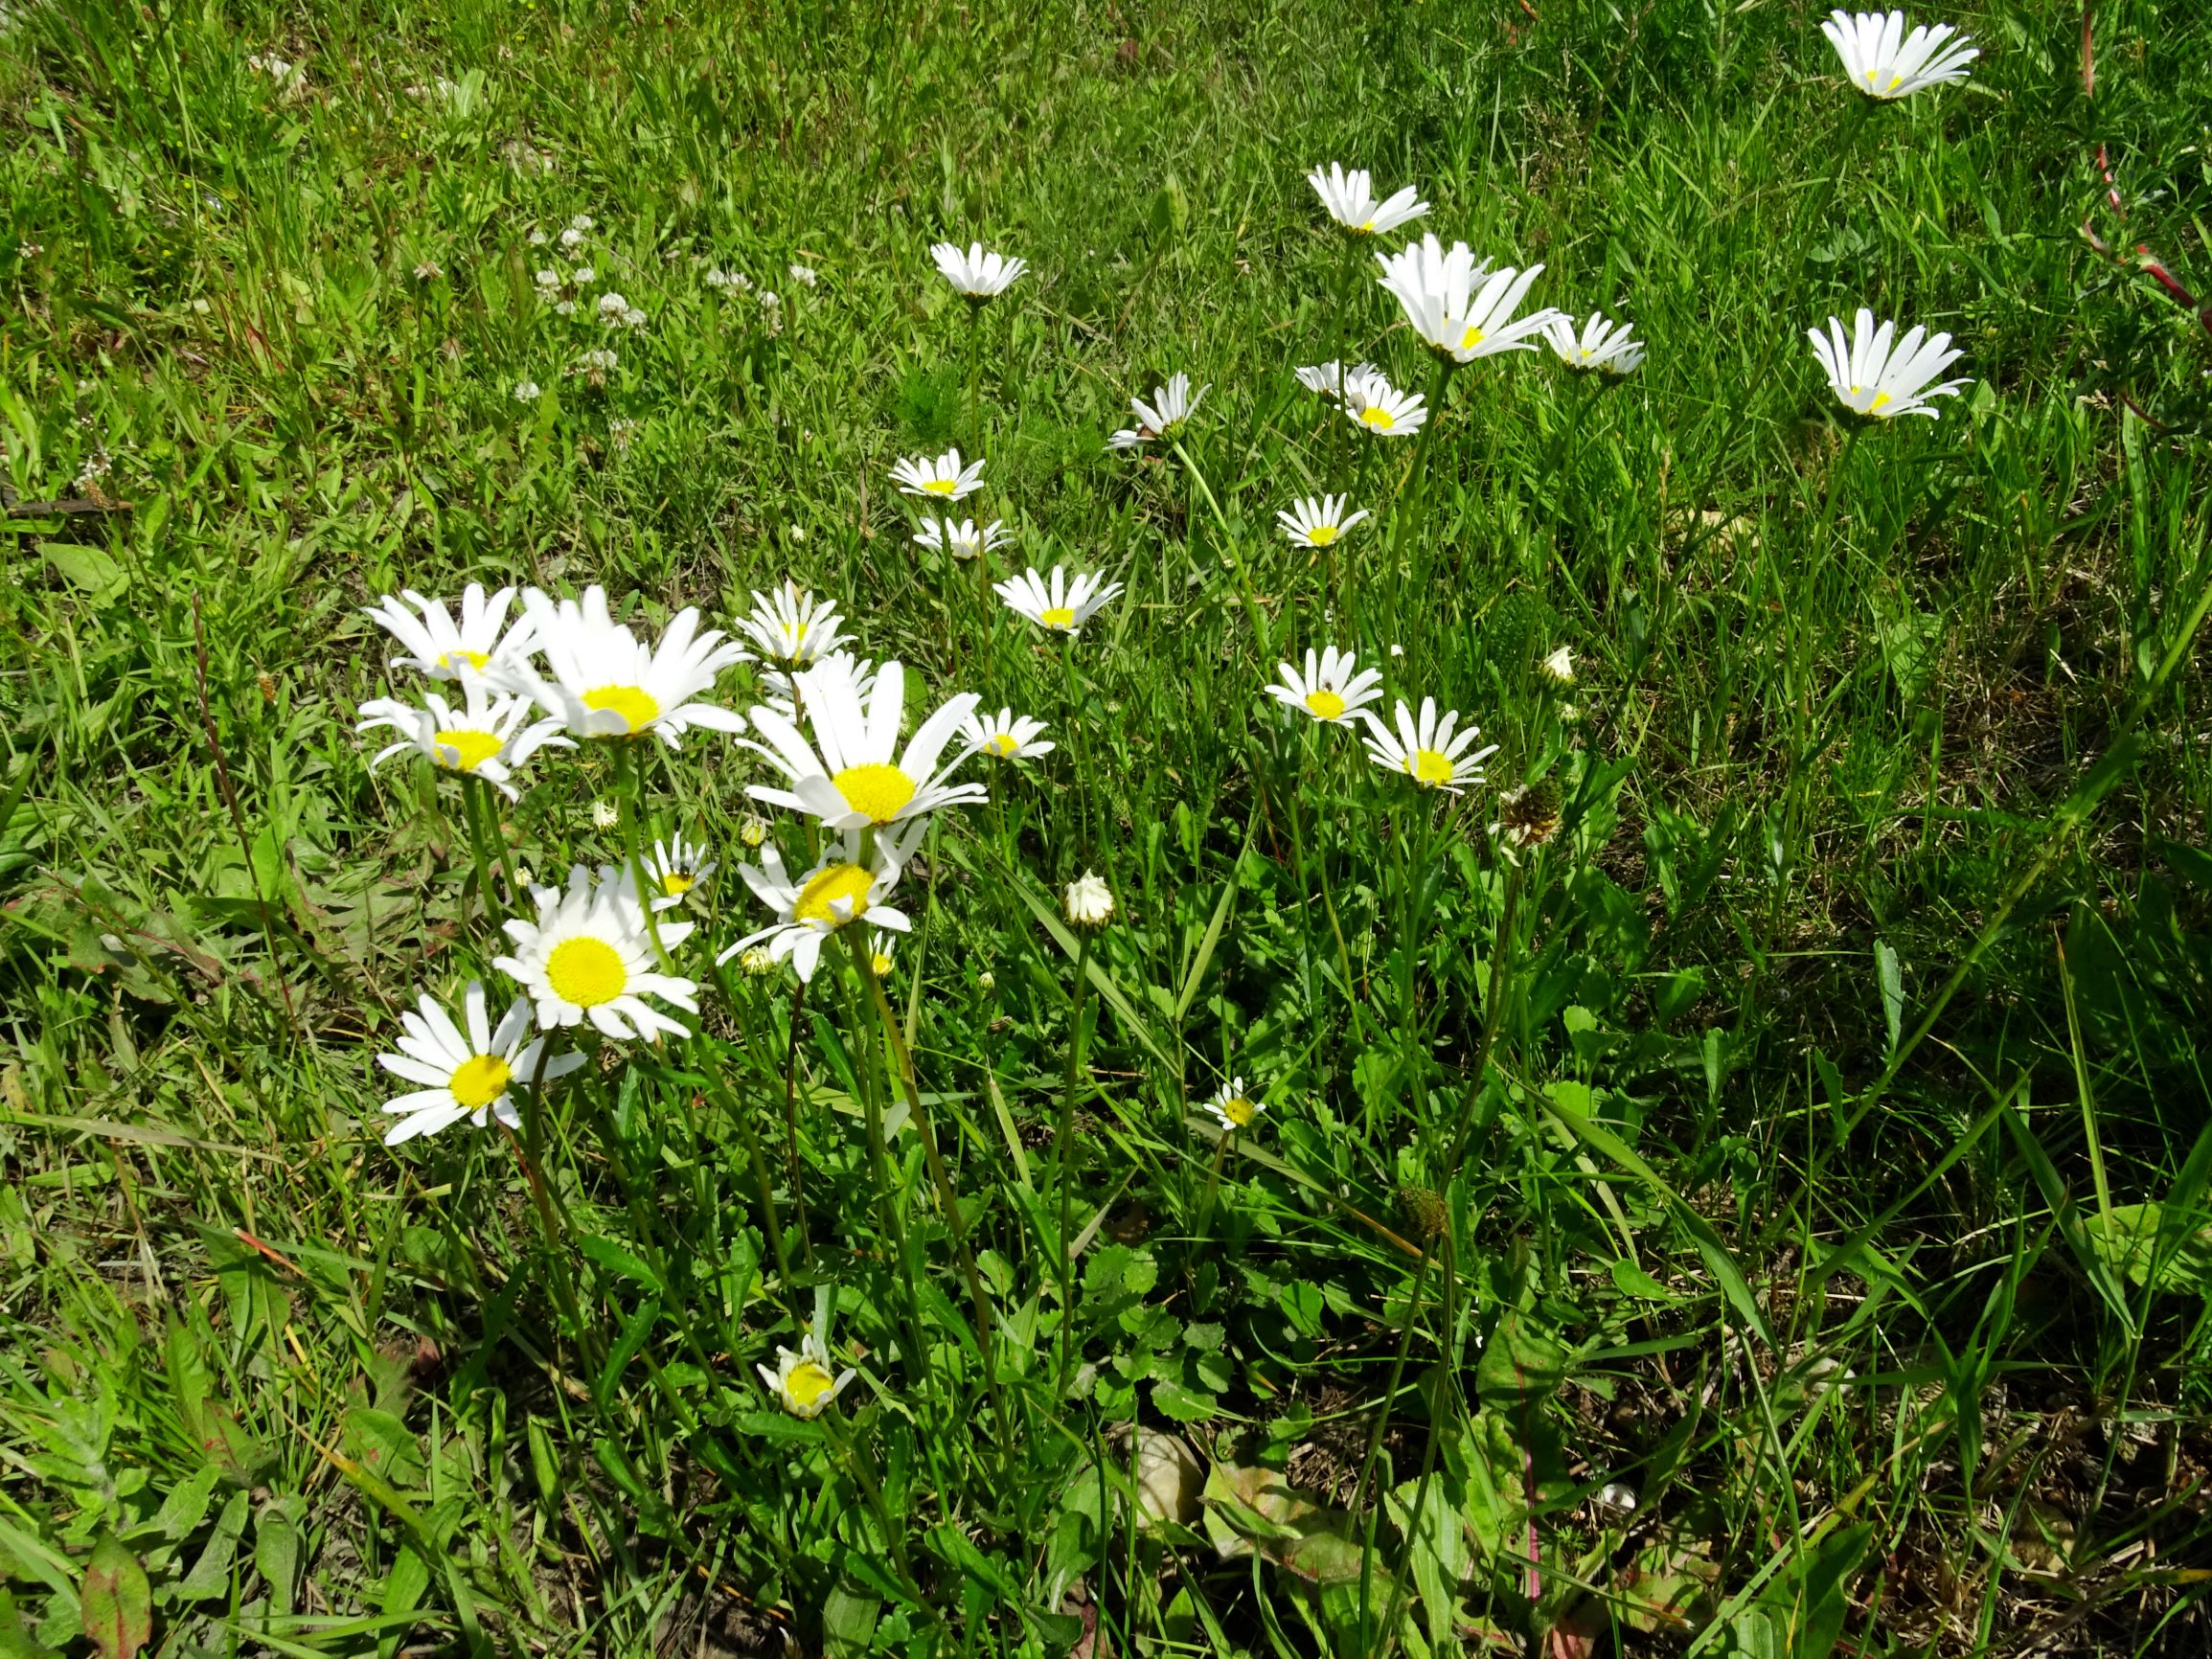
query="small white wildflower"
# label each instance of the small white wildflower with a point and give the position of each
(611, 306)
(604, 815)
(633, 318)
(583, 222)
(804, 276)
(572, 237)
(538, 238)
(1618, 1495)
(1089, 903)
(548, 278)
(584, 275)
(526, 391)
(564, 309)
(1560, 667)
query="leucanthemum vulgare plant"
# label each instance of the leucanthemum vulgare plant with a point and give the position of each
(1369, 980)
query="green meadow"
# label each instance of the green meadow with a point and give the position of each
(1719, 1165)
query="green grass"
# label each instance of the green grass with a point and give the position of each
(1809, 1111)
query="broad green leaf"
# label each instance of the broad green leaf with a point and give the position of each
(115, 1602)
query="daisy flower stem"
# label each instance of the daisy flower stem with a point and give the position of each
(1321, 866)
(1061, 1175)
(872, 1491)
(1440, 1378)
(554, 1224)
(1412, 494)
(1390, 1397)
(1229, 542)
(902, 1058)
(473, 804)
(870, 1065)
(1492, 1014)
(629, 791)
(796, 1175)
(975, 379)
(711, 1068)
(1213, 1164)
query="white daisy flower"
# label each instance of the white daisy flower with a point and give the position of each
(1171, 406)
(801, 1382)
(1328, 379)
(1428, 751)
(881, 945)
(976, 274)
(1875, 374)
(1373, 402)
(1005, 735)
(792, 628)
(1459, 306)
(1349, 197)
(465, 1071)
(1088, 901)
(1233, 1108)
(1601, 347)
(1328, 690)
(1884, 62)
(589, 955)
(859, 778)
(675, 867)
(1317, 521)
(1058, 607)
(783, 692)
(607, 683)
(961, 541)
(944, 478)
(441, 648)
(1560, 667)
(839, 891)
(489, 736)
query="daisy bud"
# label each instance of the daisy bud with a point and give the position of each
(604, 815)
(753, 831)
(1089, 904)
(986, 981)
(1560, 667)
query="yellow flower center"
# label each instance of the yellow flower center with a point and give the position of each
(634, 703)
(808, 1383)
(464, 658)
(1895, 81)
(469, 749)
(586, 971)
(878, 790)
(476, 1082)
(826, 887)
(1379, 417)
(881, 964)
(941, 486)
(1366, 228)
(675, 883)
(1059, 616)
(1001, 744)
(1880, 398)
(1321, 534)
(1472, 338)
(1430, 766)
(1238, 1110)
(1324, 704)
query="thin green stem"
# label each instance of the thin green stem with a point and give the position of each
(1062, 1173)
(1252, 610)
(1492, 1014)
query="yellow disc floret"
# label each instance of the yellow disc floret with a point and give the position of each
(586, 971)
(879, 791)
(1325, 704)
(637, 706)
(1430, 766)
(1238, 1111)
(829, 885)
(808, 1383)
(1059, 616)
(479, 1080)
(1379, 417)
(469, 749)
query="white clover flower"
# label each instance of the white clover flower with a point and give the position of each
(961, 541)
(465, 1071)
(1877, 375)
(633, 318)
(1601, 347)
(977, 275)
(607, 683)
(537, 238)
(844, 886)
(581, 223)
(943, 478)
(443, 649)
(1349, 199)
(611, 306)
(526, 391)
(859, 778)
(547, 279)
(1317, 521)
(1005, 735)
(1885, 63)
(488, 738)
(1088, 901)
(572, 238)
(1057, 606)
(589, 955)
(1330, 690)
